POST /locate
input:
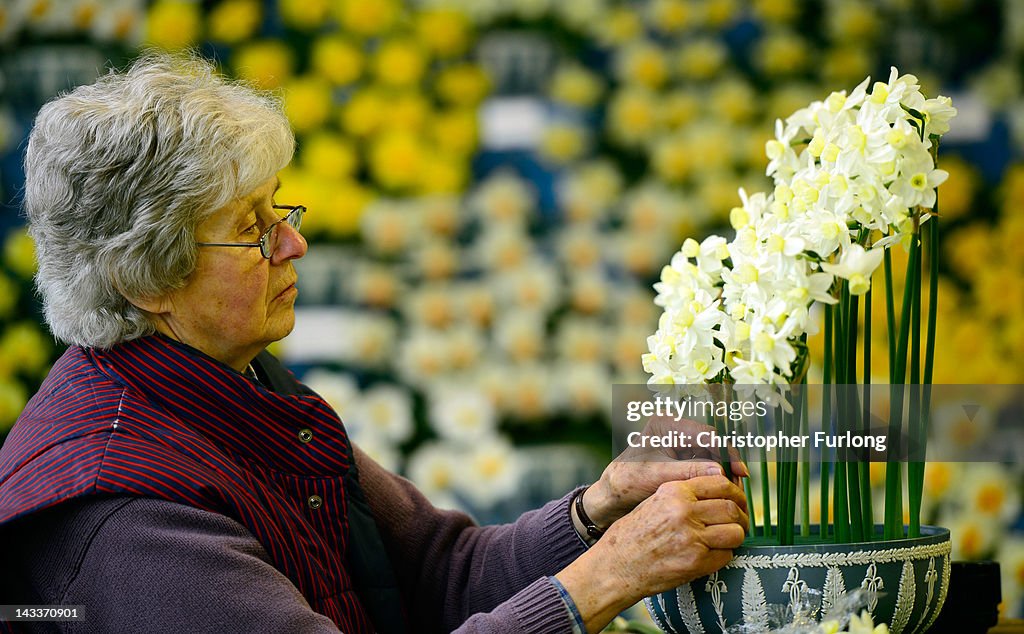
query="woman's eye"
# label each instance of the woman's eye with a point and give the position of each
(253, 229)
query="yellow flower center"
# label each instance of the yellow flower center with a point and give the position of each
(990, 499)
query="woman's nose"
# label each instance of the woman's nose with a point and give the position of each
(291, 245)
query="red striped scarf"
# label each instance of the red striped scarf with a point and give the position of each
(158, 419)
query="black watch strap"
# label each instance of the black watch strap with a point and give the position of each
(593, 531)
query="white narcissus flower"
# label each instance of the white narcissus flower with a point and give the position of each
(856, 266)
(984, 491)
(462, 414)
(386, 411)
(840, 167)
(434, 468)
(503, 199)
(535, 286)
(420, 359)
(939, 111)
(520, 334)
(490, 472)
(582, 387)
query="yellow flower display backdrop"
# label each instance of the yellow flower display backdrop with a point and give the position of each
(523, 275)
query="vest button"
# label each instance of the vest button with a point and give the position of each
(315, 502)
(305, 435)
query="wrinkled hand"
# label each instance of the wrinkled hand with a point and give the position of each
(684, 530)
(638, 472)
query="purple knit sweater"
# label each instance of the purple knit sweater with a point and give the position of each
(144, 565)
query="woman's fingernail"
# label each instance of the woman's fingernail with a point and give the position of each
(713, 471)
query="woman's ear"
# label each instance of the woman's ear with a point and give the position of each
(158, 305)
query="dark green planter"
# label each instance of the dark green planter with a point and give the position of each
(911, 577)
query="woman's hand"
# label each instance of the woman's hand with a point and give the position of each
(638, 472)
(684, 530)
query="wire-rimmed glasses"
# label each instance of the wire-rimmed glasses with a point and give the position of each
(270, 238)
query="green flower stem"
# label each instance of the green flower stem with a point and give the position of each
(914, 529)
(840, 506)
(766, 491)
(894, 496)
(891, 472)
(722, 429)
(805, 467)
(867, 511)
(826, 417)
(915, 474)
(780, 482)
(890, 313)
(850, 418)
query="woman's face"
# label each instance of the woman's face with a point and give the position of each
(236, 302)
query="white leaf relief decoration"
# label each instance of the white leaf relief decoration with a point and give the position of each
(688, 609)
(904, 599)
(662, 624)
(833, 591)
(755, 604)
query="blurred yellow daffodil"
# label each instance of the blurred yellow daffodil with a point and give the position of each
(304, 14)
(328, 155)
(734, 99)
(20, 253)
(13, 398)
(959, 189)
(782, 53)
(719, 13)
(672, 16)
(363, 113)
(443, 173)
(343, 211)
(633, 116)
(463, 84)
(399, 62)
(232, 21)
(396, 159)
(643, 63)
(8, 296)
(776, 11)
(445, 32)
(562, 143)
(456, 131)
(672, 159)
(620, 25)
(337, 59)
(576, 86)
(173, 24)
(266, 64)
(853, 22)
(701, 58)
(25, 347)
(366, 18)
(406, 110)
(307, 102)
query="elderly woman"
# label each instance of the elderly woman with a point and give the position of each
(171, 475)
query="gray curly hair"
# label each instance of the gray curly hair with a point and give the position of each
(119, 173)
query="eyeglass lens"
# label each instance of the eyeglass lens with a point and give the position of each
(271, 239)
